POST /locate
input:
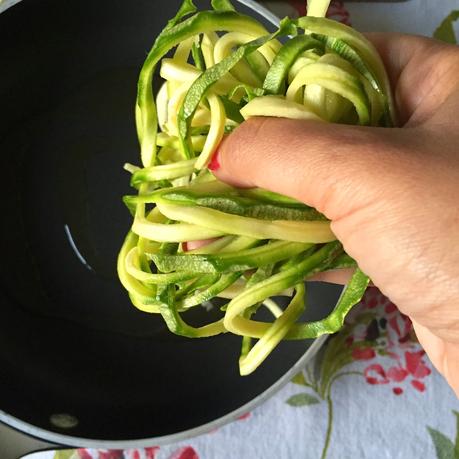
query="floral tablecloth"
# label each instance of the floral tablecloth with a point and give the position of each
(371, 392)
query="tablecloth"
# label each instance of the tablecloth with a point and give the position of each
(371, 392)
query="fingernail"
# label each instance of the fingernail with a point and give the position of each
(214, 163)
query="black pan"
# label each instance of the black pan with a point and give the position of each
(78, 364)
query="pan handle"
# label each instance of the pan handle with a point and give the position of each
(15, 444)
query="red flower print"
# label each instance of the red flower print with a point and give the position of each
(349, 341)
(375, 374)
(150, 453)
(393, 323)
(84, 454)
(299, 5)
(390, 307)
(111, 454)
(418, 385)
(415, 364)
(244, 416)
(338, 12)
(185, 453)
(378, 331)
(402, 326)
(371, 303)
(371, 299)
(363, 353)
(397, 374)
(393, 355)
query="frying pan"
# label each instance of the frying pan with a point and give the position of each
(79, 365)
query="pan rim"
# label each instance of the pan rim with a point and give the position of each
(63, 439)
(69, 440)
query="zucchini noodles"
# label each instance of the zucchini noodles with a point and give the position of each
(219, 68)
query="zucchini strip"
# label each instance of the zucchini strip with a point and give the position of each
(178, 232)
(206, 21)
(218, 223)
(251, 244)
(230, 261)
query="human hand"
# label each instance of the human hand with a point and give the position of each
(392, 195)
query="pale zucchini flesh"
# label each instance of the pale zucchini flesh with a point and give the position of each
(194, 238)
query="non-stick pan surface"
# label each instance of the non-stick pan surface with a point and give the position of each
(76, 359)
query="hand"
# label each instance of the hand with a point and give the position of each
(392, 194)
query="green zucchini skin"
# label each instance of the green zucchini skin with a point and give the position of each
(194, 238)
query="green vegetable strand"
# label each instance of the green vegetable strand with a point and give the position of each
(195, 239)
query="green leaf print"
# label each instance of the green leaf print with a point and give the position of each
(445, 30)
(299, 379)
(444, 447)
(302, 399)
(456, 446)
(66, 454)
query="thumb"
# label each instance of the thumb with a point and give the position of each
(334, 168)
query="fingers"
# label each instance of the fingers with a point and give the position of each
(192, 245)
(336, 276)
(397, 50)
(422, 72)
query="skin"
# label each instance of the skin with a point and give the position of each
(392, 194)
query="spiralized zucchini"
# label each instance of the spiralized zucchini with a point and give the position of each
(225, 68)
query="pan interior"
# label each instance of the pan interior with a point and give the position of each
(75, 357)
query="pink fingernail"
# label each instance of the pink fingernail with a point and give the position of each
(214, 162)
